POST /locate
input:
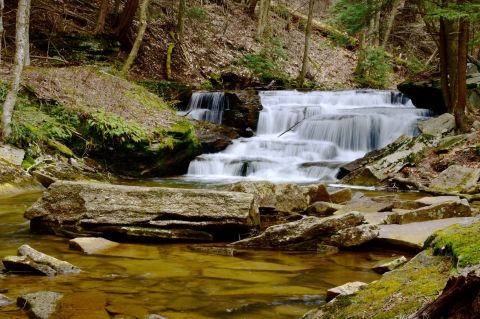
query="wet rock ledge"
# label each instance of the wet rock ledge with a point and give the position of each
(72, 208)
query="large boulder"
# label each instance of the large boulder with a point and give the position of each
(308, 232)
(438, 125)
(288, 198)
(81, 207)
(243, 111)
(213, 137)
(13, 179)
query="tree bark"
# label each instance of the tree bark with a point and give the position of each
(308, 34)
(126, 18)
(461, 101)
(21, 43)
(138, 39)
(102, 16)
(443, 44)
(263, 14)
(2, 6)
(252, 4)
(181, 19)
(27, 35)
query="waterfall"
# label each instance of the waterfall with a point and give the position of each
(207, 106)
(303, 137)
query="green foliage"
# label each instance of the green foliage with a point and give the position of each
(415, 66)
(351, 15)
(110, 127)
(373, 68)
(196, 13)
(281, 11)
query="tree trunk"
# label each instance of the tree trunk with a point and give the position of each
(263, 14)
(21, 43)
(27, 35)
(126, 18)
(443, 44)
(396, 6)
(2, 5)
(181, 19)
(461, 101)
(252, 4)
(138, 39)
(102, 16)
(308, 34)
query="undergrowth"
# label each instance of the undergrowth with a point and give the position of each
(373, 68)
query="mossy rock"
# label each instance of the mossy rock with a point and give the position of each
(461, 242)
(397, 294)
(13, 179)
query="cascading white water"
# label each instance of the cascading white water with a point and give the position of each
(304, 137)
(207, 106)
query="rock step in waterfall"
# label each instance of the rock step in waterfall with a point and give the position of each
(305, 136)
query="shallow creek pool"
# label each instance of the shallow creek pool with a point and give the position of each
(175, 282)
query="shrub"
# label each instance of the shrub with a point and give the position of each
(196, 13)
(373, 68)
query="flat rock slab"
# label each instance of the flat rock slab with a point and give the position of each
(434, 200)
(344, 290)
(415, 234)
(31, 260)
(456, 178)
(446, 209)
(81, 206)
(438, 125)
(91, 245)
(40, 305)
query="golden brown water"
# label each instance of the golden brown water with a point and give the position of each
(175, 282)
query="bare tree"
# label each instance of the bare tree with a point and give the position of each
(138, 39)
(263, 15)
(21, 42)
(308, 35)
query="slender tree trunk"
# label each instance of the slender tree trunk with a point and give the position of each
(2, 5)
(263, 14)
(139, 38)
(376, 30)
(181, 19)
(396, 6)
(126, 18)
(27, 35)
(308, 34)
(461, 101)
(252, 4)
(102, 16)
(443, 45)
(21, 43)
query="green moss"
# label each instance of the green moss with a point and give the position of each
(398, 293)
(460, 242)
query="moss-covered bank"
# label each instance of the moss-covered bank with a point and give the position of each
(85, 112)
(401, 292)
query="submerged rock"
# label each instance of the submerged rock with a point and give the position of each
(31, 260)
(142, 211)
(5, 301)
(345, 290)
(40, 305)
(390, 264)
(306, 233)
(91, 245)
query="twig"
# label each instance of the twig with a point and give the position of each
(49, 58)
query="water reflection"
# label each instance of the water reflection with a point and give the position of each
(177, 282)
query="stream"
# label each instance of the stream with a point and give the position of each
(175, 282)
